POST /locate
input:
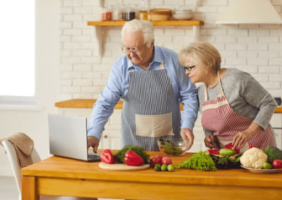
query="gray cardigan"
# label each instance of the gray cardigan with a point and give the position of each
(245, 95)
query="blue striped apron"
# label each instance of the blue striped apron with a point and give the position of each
(150, 109)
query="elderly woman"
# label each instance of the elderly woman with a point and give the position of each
(235, 107)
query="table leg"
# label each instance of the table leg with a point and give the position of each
(29, 188)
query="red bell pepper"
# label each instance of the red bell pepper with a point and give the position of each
(133, 159)
(107, 156)
(251, 146)
(212, 151)
(231, 146)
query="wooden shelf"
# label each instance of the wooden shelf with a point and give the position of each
(99, 25)
(156, 23)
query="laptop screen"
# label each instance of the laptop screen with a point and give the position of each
(68, 136)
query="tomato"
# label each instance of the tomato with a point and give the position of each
(251, 146)
(155, 160)
(277, 164)
(166, 160)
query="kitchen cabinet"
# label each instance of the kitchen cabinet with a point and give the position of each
(111, 136)
(98, 25)
(276, 122)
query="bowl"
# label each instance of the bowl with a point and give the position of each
(182, 16)
(173, 146)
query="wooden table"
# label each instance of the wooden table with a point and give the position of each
(67, 177)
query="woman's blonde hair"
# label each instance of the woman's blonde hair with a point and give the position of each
(202, 53)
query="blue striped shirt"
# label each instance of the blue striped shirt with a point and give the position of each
(118, 83)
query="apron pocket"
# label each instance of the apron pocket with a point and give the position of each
(154, 125)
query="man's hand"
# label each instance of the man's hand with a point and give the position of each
(187, 135)
(92, 142)
(210, 142)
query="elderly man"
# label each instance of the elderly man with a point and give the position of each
(151, 83)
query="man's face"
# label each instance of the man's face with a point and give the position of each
(135, 49)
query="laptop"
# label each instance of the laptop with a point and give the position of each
(68, 137)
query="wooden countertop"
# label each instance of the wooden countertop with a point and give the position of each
(88, 103)
(69, 168)
(86, 179)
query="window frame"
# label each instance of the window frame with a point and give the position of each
(18, 101)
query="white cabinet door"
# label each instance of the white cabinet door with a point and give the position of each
(278, 137)
(111, 139)
(276, 123)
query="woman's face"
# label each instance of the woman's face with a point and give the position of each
(196, 72)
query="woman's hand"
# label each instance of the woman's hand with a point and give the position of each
(242, 137)
(210, 142)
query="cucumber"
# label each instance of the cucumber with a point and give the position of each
(227, 152)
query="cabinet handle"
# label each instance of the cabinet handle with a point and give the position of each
(105, 136)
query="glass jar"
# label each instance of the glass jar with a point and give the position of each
(117, 13)
(129, 14)
(143, 14)
(106, 14)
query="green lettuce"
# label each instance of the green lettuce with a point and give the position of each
(199, 161)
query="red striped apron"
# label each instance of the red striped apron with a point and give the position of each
(219, 117)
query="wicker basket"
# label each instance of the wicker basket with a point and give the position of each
(161, 11)
(158, 17)
(159, 14)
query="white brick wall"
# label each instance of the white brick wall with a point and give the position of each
(256, 49)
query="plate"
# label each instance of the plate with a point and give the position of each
(263, 171)
(122, 166)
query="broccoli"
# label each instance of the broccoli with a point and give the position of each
(273, 153)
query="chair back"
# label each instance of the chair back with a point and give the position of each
(14, 161)
(16, 168)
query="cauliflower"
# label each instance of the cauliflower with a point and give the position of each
(253, 158)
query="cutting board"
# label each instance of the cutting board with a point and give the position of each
(122, 166)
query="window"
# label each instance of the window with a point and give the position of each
(17, 50)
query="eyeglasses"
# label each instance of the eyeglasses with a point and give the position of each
(189, 68)
(136, 50)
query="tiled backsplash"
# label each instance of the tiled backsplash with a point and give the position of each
(256, 49)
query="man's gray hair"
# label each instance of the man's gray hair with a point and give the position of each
(145, 26)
